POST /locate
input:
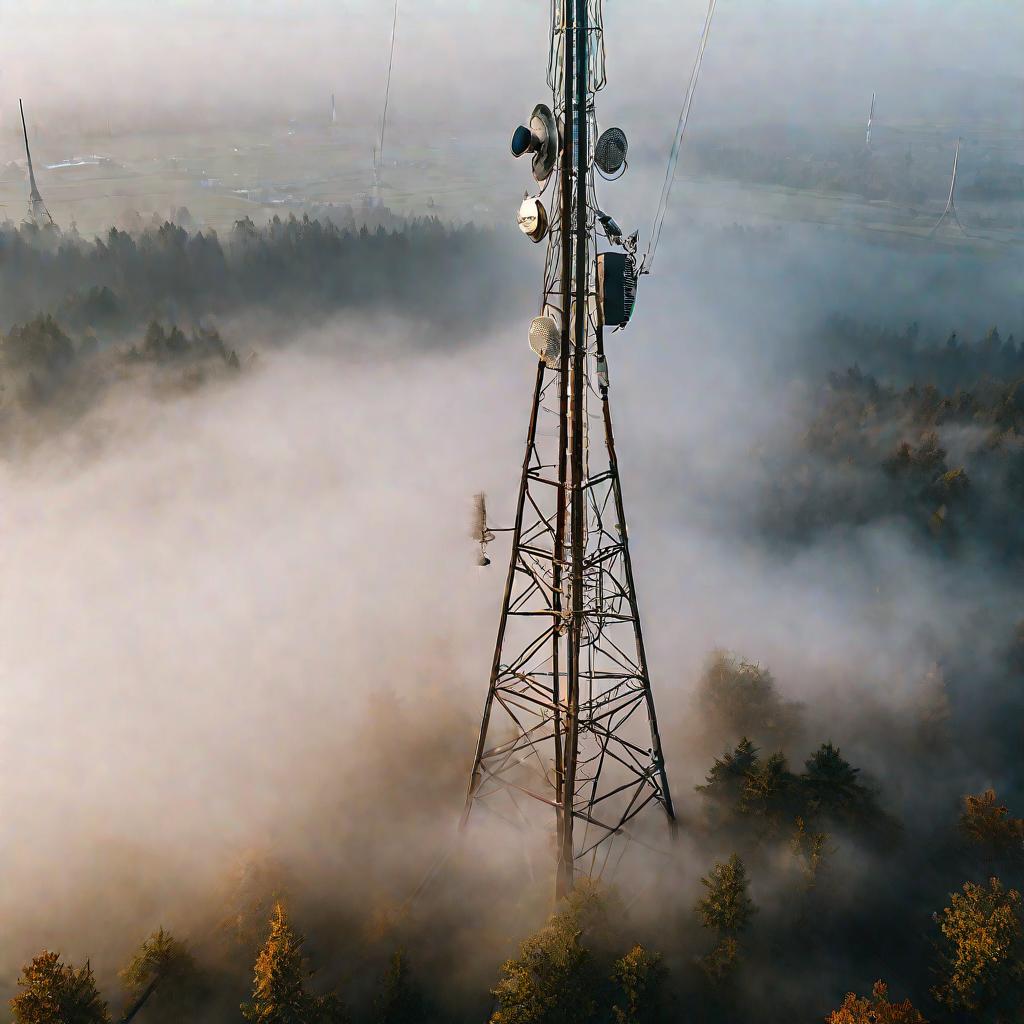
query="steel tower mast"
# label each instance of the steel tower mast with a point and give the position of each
(950, 210)
(569, 721)
(36, 207)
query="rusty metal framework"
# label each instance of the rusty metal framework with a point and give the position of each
(569, 720)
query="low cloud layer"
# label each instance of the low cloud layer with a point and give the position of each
(245, 621)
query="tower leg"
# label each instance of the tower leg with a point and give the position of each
(652, 716)
(517, 532)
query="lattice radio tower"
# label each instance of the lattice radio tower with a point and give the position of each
(569, 721)
(36, 207)
(950, 210)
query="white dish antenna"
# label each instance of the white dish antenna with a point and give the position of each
(532, 218)
(546, 340)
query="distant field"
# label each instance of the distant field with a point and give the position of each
(750, 204)
(94, 182)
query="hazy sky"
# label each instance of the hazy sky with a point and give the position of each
(773, 59)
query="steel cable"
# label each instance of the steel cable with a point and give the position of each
(673, 159)
(387, 88)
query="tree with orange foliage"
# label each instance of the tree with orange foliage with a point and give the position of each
(981, 967)
(986, 824)
(876, 1010)
(53, 992)
(279, 994)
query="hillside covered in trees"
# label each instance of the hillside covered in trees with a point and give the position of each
(840, 859)
(932, 438)
(818, 901)
(293, 267)
(79, 317)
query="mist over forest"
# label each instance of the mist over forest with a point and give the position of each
(243, 642)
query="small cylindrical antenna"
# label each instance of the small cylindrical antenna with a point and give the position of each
(478, 529)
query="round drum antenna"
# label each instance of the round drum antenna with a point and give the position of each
(610, 152)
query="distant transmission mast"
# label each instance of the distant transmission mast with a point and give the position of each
(569, 726)
(36, 207)
(871, 123)
(950, 210)
(378, 158)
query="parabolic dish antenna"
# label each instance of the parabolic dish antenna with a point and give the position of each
(532, 218)
(610, 151)
(540, 139)
(545, 340)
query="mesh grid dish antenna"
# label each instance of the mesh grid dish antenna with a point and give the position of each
(546, 341)
(610, 152)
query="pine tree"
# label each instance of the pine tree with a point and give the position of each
(809, 848)
(161, 963)
(986, 824)
(555, 979)
(876, 1010)
(981, 966)
(770, 794)
(727, 908)
(56, 993)
(640, 977)
(399, 1001)
(831, 789)
(279, 993)
(727, 777)
(731, 768)
(738, 698)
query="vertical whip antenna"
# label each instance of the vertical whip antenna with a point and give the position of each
(479, 530)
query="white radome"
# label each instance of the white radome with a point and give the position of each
(532, 218)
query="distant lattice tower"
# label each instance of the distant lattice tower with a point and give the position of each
(950, 210)
(871, 123)
(569, 725)
(36, 207)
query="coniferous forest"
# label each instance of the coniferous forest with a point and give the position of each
(847, 859)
